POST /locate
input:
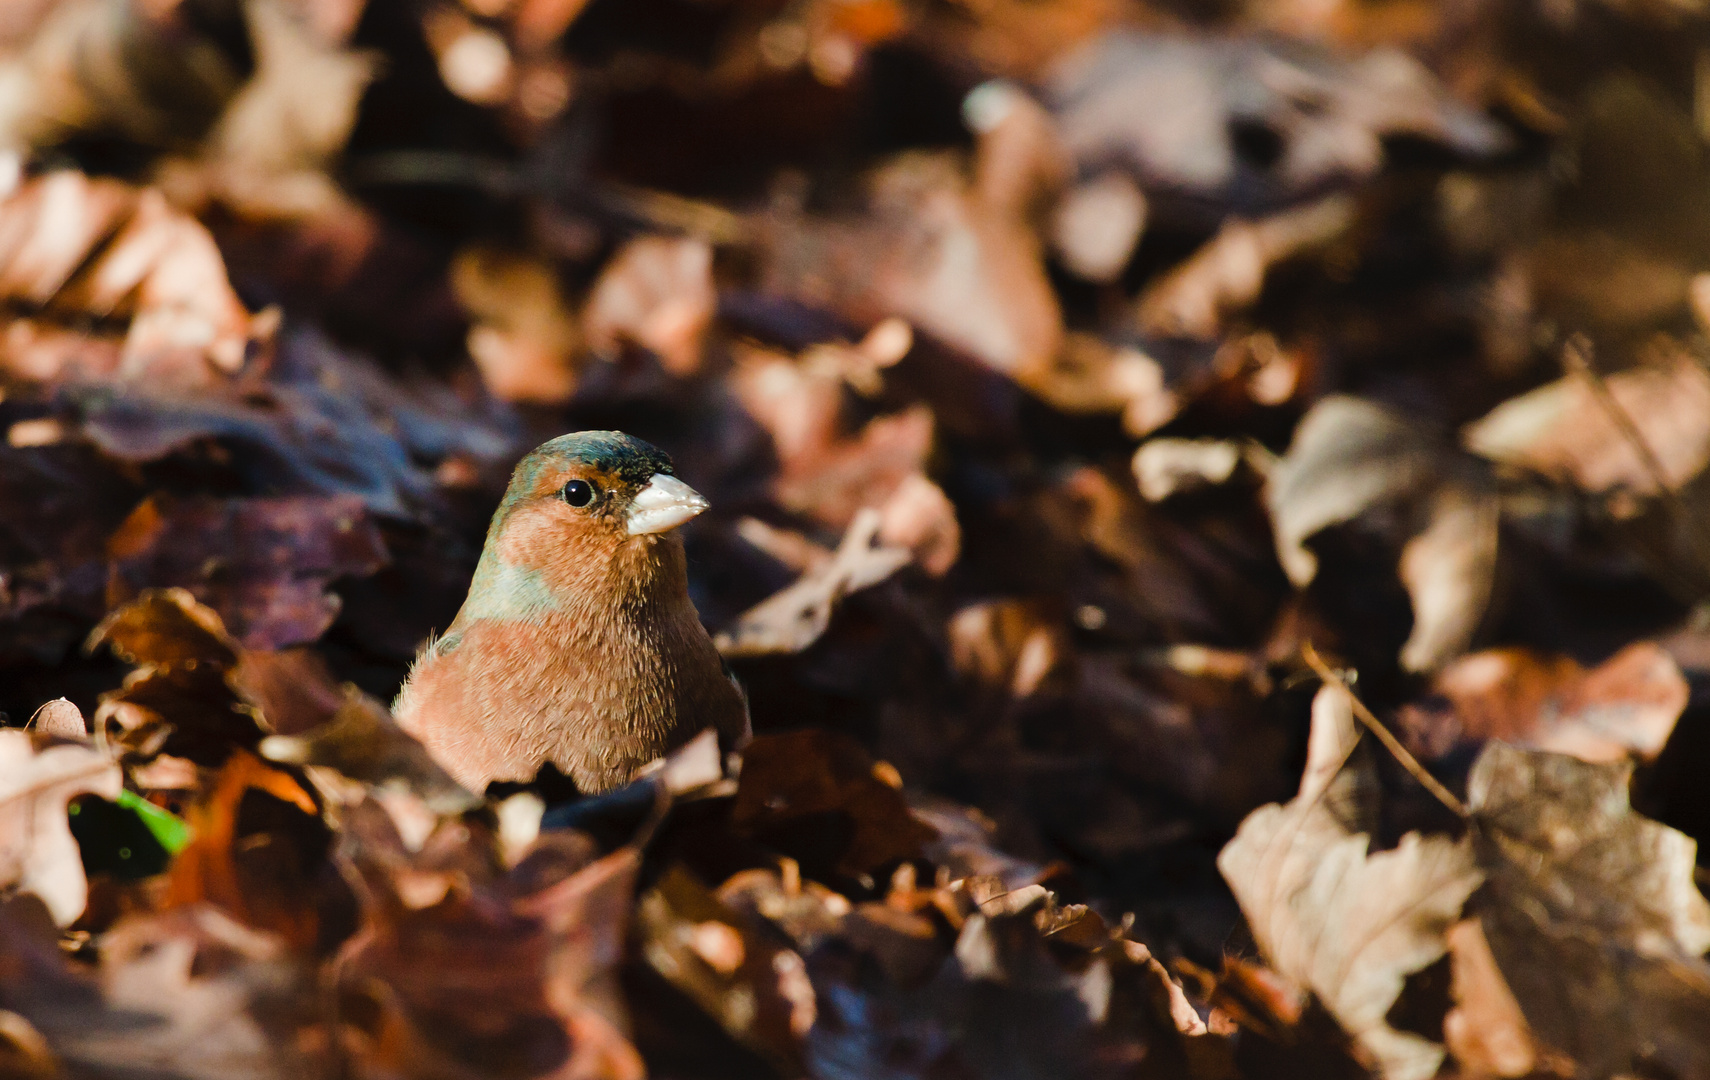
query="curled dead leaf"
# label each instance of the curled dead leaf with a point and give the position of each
(37, 852)
(71, 247)
(794, 619)
(1332, 917)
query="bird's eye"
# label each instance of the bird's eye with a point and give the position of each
(579, 493)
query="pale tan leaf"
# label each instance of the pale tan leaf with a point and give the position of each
(1348, 454)
(37, 852)
(791, 620)
(1226, 274)
(1449, 570)
(1563, 430)
(1344, 923)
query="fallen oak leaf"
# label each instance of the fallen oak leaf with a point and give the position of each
(37, 851)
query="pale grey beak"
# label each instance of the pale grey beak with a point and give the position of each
(665, 503)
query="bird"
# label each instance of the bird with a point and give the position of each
(578, 644)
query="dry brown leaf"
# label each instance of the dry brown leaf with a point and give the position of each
(1344, 923)
(61, 719)
(1195, 299)
(791, 620)
(1088, 375)
(71, 248)
(37, 852)
(506, 977)
(930, 250)
(361, 741)
(138, 71)
(658, 293)
(1164, 467)
(262, 887)
(920, 517)
(1096, 225)
(268, 154)
(1626, 706)
(1169, 107)
(263, 565)
(1564, 430)
(1592, 914)
(185, 995)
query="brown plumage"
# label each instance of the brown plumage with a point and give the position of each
(578, 644)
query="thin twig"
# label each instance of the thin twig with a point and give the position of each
(1391, 743)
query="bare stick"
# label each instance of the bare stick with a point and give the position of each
(1390, 742)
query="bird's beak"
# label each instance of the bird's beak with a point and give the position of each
(665, 503)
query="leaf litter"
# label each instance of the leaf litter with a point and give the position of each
(1208, 510)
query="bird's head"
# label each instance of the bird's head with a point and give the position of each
(580, 501)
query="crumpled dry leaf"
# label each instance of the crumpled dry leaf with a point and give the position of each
(1347, 455)
(267, 885)
(930, 250)
(361, 741)
(267, 154)
(758, 991)
(1449, 569)
(1171, 107)
(658, 293)
(1350, 456)
(73, 248)
(1347, 924)
(1593, 915)
(508, 976)
(1564, 430)
(37, 852)
(823, 471)
(1224, 276)
(801, 775)
(195, 693)
(1626, 706)
(185, 995)
(793, 619)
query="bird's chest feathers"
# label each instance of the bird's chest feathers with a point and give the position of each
(592, 637)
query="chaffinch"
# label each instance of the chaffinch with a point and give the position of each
(578, 644)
